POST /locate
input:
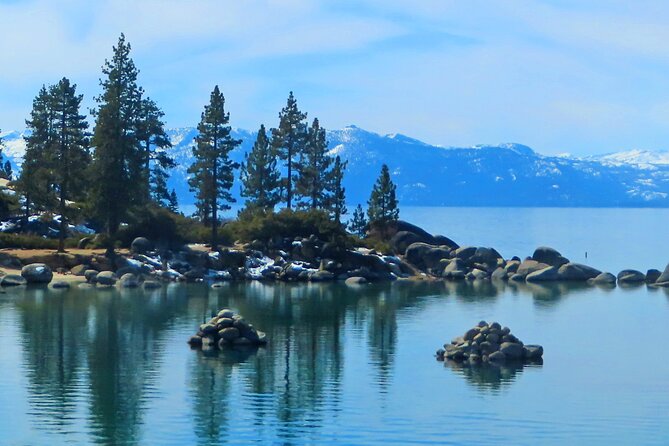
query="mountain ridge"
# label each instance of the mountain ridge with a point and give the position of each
(507, 174)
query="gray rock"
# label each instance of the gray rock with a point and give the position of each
(478, 274)
(356, 280)
(59, 284)
(12, 280)
(529, 266)
(128, 280)
(91, 275)
(652, 275)
(37, 273)
(544, 275)
(465, 252)
(322, 276)
(226, 313)
(469, 335)
(604, 278)
(403, 239)
(425, 256)
(106, 278)
(631, 276)
(79, 270)
(487, 256)
(533, 351)
(497, 356)
(499, 274)
(511, 267)
(229, 334)
(577, 272)
(512, 350)
(141, 245)
(549, 256)
(664, 277)
(195, 341)
(208, 329)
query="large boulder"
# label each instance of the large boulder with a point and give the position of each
(106, 278)
(12, 280)
(141, 245)
(128, 280)
(631, 276)
(529, 266)
(604, 279)
(423, 255)
(549, 256)
(652, 275)
(356, 280)
(664, 277)
(544, 275)
(577, 272)
(487, 256)
(403, 239)
(37, 273)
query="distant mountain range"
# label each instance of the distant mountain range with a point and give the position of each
(427, 175)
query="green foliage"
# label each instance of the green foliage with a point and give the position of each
(285, 223)
(156, 162)
(118, 161)
(260, 177)
(288, 141)
(382, 204)
(314, 170)
(338, 199)
(26, 241)
(213, 170)
(358, 224)
(377, 244)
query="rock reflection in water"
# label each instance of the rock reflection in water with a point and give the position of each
(487, 376)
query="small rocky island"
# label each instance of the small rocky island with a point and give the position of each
(227, 329)
(489, 342)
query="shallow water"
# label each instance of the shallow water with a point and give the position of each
(348, 365)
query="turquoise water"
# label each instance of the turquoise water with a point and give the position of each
(344, 365)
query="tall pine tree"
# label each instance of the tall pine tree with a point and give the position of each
(118, 160)
(338, 191)
(382, 205)
(212, 172)
(358, 224)
(288, 141)
(35, 180)
(259, 175)
(70, 157)
(314, 170)
(155, 160)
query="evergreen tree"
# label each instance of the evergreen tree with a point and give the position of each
(118, 160)
(155, 160)
(338, 197)
(288, 141)
(173, 203)
(213, 170)
(358, 224)
(36, 179)
(259, 175)
(7, 172)
(314, 170)
(382, 205)
(70, 156)
(7, 202)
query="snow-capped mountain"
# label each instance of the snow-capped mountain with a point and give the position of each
(483, 175)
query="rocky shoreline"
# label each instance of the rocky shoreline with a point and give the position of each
(416, 254)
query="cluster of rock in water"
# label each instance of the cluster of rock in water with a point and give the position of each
(489, 342)
(227, 329)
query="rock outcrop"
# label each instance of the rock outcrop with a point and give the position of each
(489, 342)
(227, 329)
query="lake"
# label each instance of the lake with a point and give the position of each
(354, 365)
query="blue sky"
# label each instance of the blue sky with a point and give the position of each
(582, 77)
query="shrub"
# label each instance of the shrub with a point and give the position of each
(285, 223)
(26, 241)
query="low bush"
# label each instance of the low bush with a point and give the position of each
(26, 241)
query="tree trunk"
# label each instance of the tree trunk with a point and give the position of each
(289, 188)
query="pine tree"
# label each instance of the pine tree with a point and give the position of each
(259, 175)
(213, 170)
(70, 156)
(118, 158)
(35, 180)
(358, 224)
(288, 141)
(155, 160)
(314, 170)
(173, 203)
(338, 197)
(382, 205)
(7, 202)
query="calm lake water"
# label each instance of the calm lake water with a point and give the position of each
(345, 365)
